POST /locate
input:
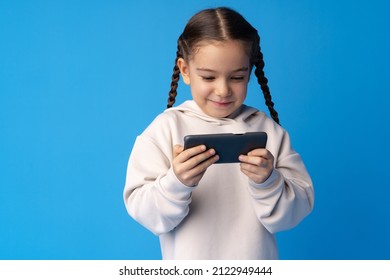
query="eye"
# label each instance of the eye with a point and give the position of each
(208, 78)
(238, 78)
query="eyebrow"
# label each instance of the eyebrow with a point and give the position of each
(242, 69)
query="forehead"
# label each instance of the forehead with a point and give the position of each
(219, 54)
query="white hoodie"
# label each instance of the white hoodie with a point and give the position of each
(226, 216)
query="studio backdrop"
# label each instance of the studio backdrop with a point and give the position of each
(79, 80)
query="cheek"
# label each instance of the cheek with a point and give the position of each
(241, 91)
(201, 89)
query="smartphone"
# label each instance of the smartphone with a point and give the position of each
(228, 146)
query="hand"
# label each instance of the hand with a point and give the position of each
(257, 165)
(191, 164)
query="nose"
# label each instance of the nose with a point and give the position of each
(222, 89)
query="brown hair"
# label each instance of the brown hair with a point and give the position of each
(221, 24)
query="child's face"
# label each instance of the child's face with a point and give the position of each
(218, 74)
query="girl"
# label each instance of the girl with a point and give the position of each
(199, 209)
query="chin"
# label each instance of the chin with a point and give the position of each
(219, 114)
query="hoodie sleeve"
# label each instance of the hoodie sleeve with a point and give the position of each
(153, 195)
(287, 196)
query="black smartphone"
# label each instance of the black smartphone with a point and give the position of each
(228, 146)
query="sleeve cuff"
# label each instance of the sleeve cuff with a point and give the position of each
(172, 186)
(275, 176)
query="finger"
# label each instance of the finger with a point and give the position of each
(257, 178)
(250, 168)
(200, 167)
(253, 160)
(260, 153)
(192, 152)
(191, 175)
(177, 149)
(200, 159)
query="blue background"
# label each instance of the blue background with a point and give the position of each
(79, 80)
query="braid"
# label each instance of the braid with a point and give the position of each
(175, 80)
(263, 82)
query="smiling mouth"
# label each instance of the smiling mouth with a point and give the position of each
(221, 103)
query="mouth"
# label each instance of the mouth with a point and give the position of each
(221, 103)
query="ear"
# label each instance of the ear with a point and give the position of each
(184, 70)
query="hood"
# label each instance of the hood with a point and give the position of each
(191, 108)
